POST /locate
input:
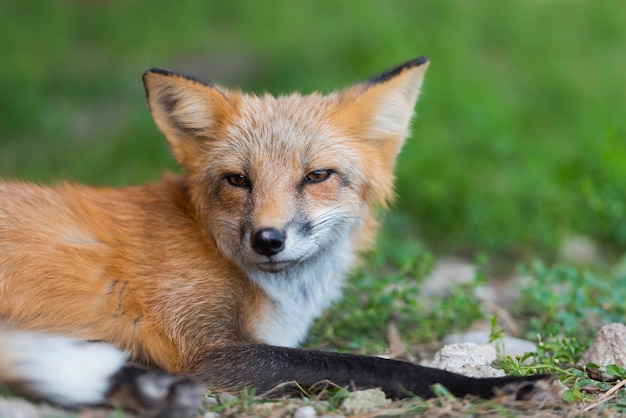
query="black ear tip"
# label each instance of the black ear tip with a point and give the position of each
(388, 75)
(160, 70)
(170, 73)
(155, 70)
(418, 61)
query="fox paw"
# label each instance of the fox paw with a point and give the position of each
(154, 393)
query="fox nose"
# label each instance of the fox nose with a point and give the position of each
(268, 241)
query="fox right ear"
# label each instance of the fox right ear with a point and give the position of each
(381, 109)
(184, 109)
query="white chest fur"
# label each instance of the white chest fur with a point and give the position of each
(299, 295)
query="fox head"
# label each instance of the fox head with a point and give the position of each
(277, 181)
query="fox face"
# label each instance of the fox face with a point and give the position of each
(287, 187)
(282, 182)
(276, 181)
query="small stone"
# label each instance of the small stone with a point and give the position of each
(609, 347)
(468, 359)
(364, 401)
(447, 273)
(306, 411)
(512, 346)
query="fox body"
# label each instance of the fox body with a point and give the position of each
(214, 274)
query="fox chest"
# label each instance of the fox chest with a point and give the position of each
(296, 298)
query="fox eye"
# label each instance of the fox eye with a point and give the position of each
(317, 176)
(238, 180)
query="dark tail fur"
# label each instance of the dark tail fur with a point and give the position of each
(264, 367)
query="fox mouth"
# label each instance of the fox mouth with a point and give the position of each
(272, 266)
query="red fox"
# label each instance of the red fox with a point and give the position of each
(216, 274)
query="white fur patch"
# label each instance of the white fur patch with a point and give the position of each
(63, 370)
(300, 294)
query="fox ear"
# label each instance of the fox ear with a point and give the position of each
(386, 105)
(184, 109)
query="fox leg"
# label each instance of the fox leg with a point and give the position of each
(71, 373)
(265, 367)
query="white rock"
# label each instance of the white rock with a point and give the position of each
(512, 346)
(446, 273)
(364, 400)
(468, 359)
(306, 411)
(609, 347)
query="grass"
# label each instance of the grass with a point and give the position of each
(388, 288)
(519, 141)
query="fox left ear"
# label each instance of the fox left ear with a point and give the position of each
(185, 110)
(386, 105)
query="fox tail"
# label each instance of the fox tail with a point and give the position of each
(72, 373)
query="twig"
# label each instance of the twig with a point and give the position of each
(607, 396)
(396, 346)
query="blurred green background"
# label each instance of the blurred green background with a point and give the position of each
(521, 135)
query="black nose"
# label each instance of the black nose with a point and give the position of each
(268, 241)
